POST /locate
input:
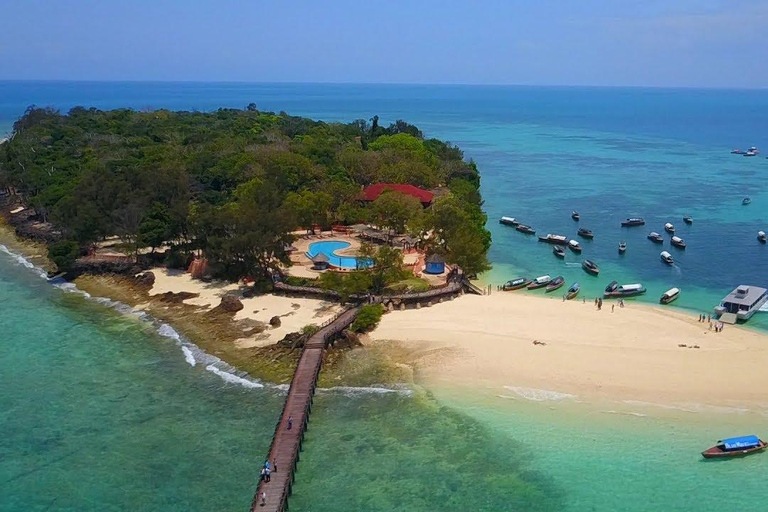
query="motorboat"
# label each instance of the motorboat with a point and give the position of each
(554, 239)
(633, 221)
(622, 247)
(761, 236)
(742, 303)
(516, 284)
(555, 284)
(655, 237)
(559, 251)
(611, 286)
(528, 230)
(590, 267)
(627, 290)
(746, 201)
(737, 152)
(574, 245)
(509, 221)
(669, 227)
(575, 215)
(667, 258)
(753, 151)
(688, 219)
(573, 291)
(669, 295)
(585, 233)
(735, 447)
(539, 282)
(677, 242)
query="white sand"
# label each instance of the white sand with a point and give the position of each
(631, 354)
(294, 313)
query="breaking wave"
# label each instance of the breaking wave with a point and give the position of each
(539, 395)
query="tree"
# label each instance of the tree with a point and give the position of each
(385, 265)
(309, 208)
(63, 254)
(393, 210)
(155, 228)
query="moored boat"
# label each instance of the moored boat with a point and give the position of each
(753, 151)
(669, 227)
(611, 286)
(737, 152)
(670, 295)
(622, 247)
(667, 258)
(761, 236)
(590, 267)
(655, 237)
(746, 201)
(516, 284)
(742, 303)
(633, 221)
(573, 291)
(627, 290)
(528, 230)
(678, 242)
(688, 219)
(574, 245)
(586, 233)
(735, 447)
(554, 239)
(559, 251)
(555, 284)
(575, 215)
(509, 221)
(539, 282)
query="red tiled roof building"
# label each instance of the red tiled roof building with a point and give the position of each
(372, 192)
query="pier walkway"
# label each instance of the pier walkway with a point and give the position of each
(286, 443)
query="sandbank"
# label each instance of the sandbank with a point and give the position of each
(631, 354)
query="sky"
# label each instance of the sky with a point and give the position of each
(672, 43)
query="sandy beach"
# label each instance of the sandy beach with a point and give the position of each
(631, 354)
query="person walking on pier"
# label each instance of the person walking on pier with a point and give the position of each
(267, 475)
(274, 465)
(263, 498)
(290, 422)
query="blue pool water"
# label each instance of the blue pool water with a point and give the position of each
(329, 248)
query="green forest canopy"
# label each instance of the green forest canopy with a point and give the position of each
(234, 183)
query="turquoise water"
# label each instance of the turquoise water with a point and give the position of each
(608, 153)
(329, 248)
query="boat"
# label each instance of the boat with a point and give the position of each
(746, 201)
(622, 247)
(528, 230)
(575, 215)
(586, 233)
(677, 242)
(558, 251)
(669, 227)
(667, 258)
(611, 286)
(761, 236)
(753, 151)
(735, 447)
(669, 295)
(590, 267)
(655, 237)
(626, 290)
(539, 282)
(634, 221)
(574, 245)
(573, 291)
(509, 221)
(688, 219)
(555, 284)
(742, 303)
(516, 284)
(554, 239)
(737, 152)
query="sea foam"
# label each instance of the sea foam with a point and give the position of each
(539, 395)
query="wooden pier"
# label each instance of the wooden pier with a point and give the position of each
(286, 443)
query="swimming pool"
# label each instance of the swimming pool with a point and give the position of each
(329, 248)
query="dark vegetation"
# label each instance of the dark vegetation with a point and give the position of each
(232, 185)
(368, 318)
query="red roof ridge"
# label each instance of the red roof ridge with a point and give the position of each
(372, 192)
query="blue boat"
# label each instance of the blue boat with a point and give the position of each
(573, 291)
(735, 447)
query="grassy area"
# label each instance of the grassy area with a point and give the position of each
(412, 284)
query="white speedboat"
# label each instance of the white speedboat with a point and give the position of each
(670, 295)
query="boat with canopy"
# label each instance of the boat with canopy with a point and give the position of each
(735, 447)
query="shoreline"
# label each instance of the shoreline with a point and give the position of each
(629, 357)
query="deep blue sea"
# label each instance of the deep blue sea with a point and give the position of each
(98, 411)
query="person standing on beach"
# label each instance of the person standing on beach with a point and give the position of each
(290, 422)
(612, 306)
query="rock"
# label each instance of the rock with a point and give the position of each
(347, 339)
(230, 304)
(275, 321)
(177, 298)
(293, 340)
(146, 279)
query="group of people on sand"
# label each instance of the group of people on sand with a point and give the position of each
(717, 326)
